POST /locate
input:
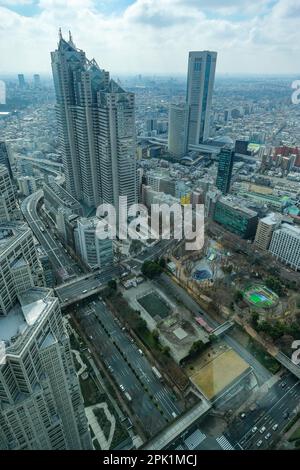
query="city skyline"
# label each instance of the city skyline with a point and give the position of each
(141, 36)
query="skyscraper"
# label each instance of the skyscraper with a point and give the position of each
(21, 80)
(200, 83)
(36, 80)
(97, 129)
(4, 157)
(41, 407)
(8, 200)
(225, 166)
(178, 127)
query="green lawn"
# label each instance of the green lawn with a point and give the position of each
(264, 358)
(295, 436)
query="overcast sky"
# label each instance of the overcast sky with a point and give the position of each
(153, 36)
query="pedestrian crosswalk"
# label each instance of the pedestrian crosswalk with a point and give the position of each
(195, 439)
(224, 443)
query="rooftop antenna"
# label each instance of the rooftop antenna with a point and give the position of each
(71, 39)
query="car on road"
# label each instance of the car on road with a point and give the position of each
(262, 430)
(267, 436)
(122, 388)
(254, 429)
(275, 427)
(259, 443)
(84, 291)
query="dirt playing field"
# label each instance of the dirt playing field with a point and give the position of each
(219, 373)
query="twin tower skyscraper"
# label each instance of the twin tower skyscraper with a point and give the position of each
(96, 120)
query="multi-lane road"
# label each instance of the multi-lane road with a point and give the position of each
(58, 256)
(83, 286)
(150, 399)
(260, 427)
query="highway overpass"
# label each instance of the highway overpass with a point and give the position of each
(84, 286)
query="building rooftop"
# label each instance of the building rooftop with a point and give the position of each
(238, 205)
(271, 219)
(10, 232)
(24, 314)
(292, 229)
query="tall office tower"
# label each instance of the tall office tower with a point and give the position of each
(225, 166)
(21, 80)
(4, 157)
(200, 84)
(97, 129)
(41, 406)
(178, 128)
(8, 201)
(151, 125)
(36, 80)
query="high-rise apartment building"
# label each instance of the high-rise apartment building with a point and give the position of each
(41, 406)
(200, 83)
(96, 120)
(178, 129)
(225, 166)
(8, 200)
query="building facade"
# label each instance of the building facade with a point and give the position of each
(41, 406)
(225, 166)
(4, 157)
(265, 229)
(285, 245)
(178, 129)
(20, 267)
(95, 252)
(8, 200)
(235, 218)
